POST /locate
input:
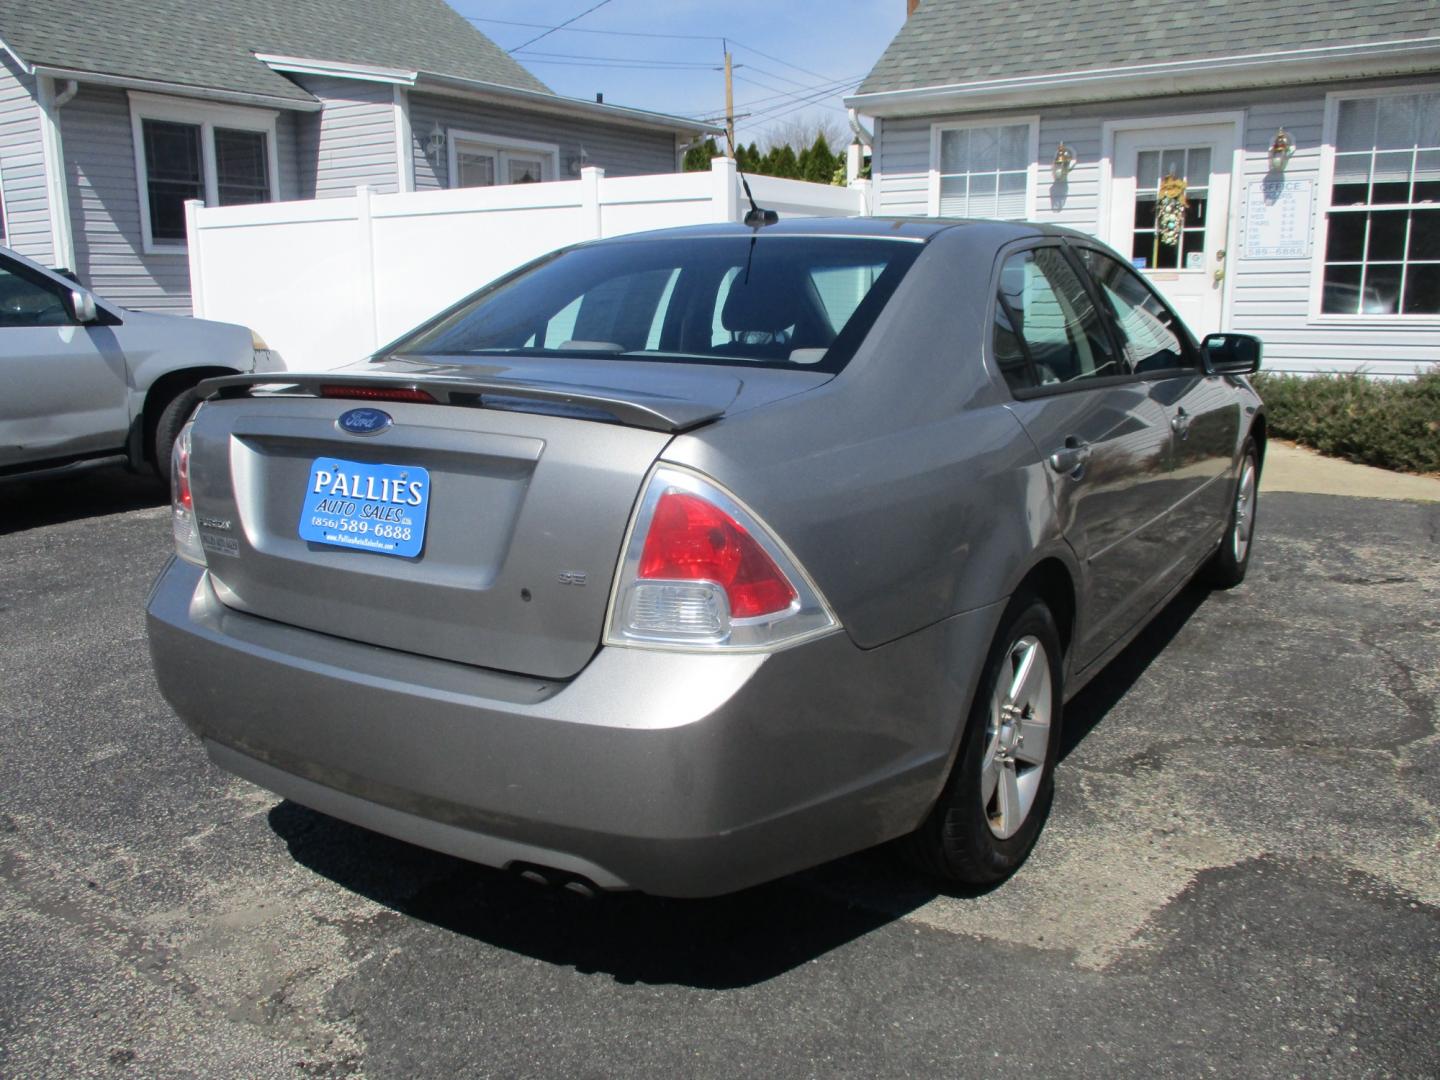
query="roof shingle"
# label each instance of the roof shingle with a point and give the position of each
(947, 42)
(212, 44)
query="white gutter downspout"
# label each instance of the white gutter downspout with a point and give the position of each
(866, 139)
(854, 155)
(62, 239)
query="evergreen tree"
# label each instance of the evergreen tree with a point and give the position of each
(697, 158)
(820, 164)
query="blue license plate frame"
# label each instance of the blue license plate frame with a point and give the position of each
(366, 506)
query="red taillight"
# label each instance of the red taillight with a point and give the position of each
(692, 540)
(188, 544)
(376, 393)
(180, 475)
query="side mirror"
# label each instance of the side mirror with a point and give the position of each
(82, 307)
(1231, 354)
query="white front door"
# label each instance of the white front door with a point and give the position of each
(1185, 262)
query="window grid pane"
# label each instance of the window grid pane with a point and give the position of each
(985, 172)
(1382, 254)
(174, 174)
(242, 169)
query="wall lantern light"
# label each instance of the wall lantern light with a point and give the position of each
(1281, 150)
(435, 144)
(1063, 163)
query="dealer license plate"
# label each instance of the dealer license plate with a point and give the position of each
(354, 504)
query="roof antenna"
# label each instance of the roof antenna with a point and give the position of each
(755, 217)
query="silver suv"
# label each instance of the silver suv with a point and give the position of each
(84, 382)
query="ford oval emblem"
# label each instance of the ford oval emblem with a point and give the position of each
(364, 421)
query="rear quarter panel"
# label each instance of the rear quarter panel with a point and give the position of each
(904, 486)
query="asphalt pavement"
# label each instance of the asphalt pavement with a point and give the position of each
(1241, 875)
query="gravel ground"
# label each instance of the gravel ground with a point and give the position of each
(1240, 876)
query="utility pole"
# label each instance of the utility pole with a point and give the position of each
(729, 103)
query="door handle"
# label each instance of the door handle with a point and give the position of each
(1071, 458)
(1180, 423)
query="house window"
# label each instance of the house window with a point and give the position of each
(483, 161)
(983, 171)
(173, 174)
(220, 155)
(1382, 243)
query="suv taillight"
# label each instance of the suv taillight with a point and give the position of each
(701, 571)
(182, 505)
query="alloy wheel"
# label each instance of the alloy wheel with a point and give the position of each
(1017, 738)
(1244, 511)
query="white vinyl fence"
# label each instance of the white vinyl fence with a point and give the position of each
(327, 281)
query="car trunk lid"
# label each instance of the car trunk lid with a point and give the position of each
(531, 484)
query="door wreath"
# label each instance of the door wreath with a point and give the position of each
(1170, 210)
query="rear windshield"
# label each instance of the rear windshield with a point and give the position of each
(782, 301)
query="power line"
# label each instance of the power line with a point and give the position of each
(640, 65)
(785, 108)
(562, 26)
(567, 28)
(787, 63)
(583, 60)
(815, 95)
(584, 30)
(783, 92)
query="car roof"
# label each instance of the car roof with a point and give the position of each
(900, 228)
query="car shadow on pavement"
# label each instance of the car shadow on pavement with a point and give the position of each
(28, 504)
(722, 943)
(1100, 695)
(727, 942)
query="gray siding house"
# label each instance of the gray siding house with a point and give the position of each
(105, 134)
(1296, 145)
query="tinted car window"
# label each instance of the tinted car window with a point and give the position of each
(780, 301)
(1047, 331)
(1150, 331)
(24, 302)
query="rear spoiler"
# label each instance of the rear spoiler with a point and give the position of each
(653, 411)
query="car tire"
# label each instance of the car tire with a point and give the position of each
(1227, 566)
(167, 429)
(998, 794)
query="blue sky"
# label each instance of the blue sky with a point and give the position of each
(792, 60)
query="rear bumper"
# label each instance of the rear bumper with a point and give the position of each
(675, 773)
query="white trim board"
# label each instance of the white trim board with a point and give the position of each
(52, 152)
(404, 143)
(4, 211)
(339, 69)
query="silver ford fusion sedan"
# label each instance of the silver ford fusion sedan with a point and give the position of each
(682, 561)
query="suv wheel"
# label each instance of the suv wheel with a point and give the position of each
(172, 418)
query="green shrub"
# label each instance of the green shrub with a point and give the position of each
(1392, 423)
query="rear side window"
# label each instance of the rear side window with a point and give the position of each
(1047, 331)
(778, 300)
(1151, 332)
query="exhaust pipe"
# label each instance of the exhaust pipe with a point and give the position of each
(556, 879)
